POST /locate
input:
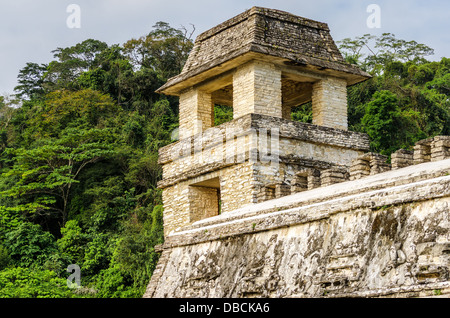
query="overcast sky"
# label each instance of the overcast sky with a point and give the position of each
(31, 29)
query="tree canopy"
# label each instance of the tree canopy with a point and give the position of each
(79, 151)
(406, 100)
(78, 166)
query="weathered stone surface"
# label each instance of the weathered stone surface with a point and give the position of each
(261, 206)
(333, 175)
(402, 158)
(249, 124)
(364, 238)
(440, 148)
(233, 153)
(329, 103)
(368, 164)
(257, 89)
(258, 32)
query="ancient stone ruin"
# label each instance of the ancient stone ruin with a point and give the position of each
(262, 206)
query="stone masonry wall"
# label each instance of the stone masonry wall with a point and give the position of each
(236, 184)
(257, 89)
(196, 112)
(385, 235)
(185, 204)
(248, 174)
(329, 103)
(211, 149)
(176, 211)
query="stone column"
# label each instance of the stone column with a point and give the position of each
(378, 163)
(402, 158)
(299, 183)
(196, 112)
(333, 175)
(422, 151)
(282, 189)
(265, 193)
(176, 207)
(440, 148)
(305, 179)
(329, 103)
(360, 168)
(257, 89)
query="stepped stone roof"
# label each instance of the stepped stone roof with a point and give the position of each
(261, 33)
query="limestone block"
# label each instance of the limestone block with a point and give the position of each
(203, 203)
(402, 158)
(360, 168)
(378, 165)
(422, 151)
(392, 242)
(196, 112)
(313, 181)
(266, 193)
(333, 175)
(282, 190)
(299, 184)
(440, 148)
(329, 103)
(368, 164)
(257, 89)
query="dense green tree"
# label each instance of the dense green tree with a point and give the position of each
(5, 259)
(19, 282)
(79, 150)
(302, 113)
(8, 110)
(9, 221)
(134, 253)
(70, 63)
(374, 53)
(222, 114)
(164, 50)
(30, 80)
(83, 109)
(45, 174)
(29, 246)
(388, 128)
(400, 67)
(72, 244)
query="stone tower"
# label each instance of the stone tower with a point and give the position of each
(262, 63)
(238, 219)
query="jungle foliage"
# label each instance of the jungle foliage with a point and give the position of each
(407, 98)
(79, 147)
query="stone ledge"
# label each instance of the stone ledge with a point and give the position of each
(202, 169)
(386, 180)
(388, 241)
(414, 192)
(277, 262)
(313, 133)
(310, 213)
(287, 129)
(422, 290)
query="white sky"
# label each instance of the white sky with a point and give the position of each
(31, 29)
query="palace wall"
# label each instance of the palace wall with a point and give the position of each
(383, 235)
